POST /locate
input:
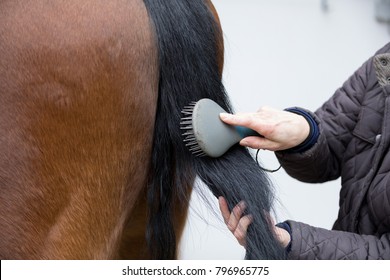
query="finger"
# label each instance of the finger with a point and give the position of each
(242, 228)
(223, 206)
(242, 119)
(235, 216)
(260, 143)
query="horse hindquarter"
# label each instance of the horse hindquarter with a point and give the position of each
(78, 93)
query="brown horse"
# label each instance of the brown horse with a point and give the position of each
(79, 120)
(78, 96)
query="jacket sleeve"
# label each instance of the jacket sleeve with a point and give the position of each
(310, 243)
(336, 119)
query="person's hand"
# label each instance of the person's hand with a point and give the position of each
(238, 225)
(281, 129)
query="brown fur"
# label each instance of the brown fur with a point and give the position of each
(78, 87)
(78, 91)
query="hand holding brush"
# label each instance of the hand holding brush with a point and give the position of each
(210, 131)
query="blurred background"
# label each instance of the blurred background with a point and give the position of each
(284, 53)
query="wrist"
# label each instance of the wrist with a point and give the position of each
(313, 133)
(287, 244)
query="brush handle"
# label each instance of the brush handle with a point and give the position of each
(245, 132)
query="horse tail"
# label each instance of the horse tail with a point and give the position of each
(189, 41)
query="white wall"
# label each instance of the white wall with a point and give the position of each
(285, 53)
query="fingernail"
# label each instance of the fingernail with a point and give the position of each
(242, 205)
(225, 116)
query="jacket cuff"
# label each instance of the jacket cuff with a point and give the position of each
(313, 134)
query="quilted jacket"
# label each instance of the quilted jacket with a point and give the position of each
(354, 143)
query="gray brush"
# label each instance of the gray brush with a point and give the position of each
(205, 134)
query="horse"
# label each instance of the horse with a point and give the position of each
(92, 160)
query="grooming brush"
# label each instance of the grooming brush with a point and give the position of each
(205, 134)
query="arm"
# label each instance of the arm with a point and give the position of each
(336, 120)
(283, 130)
(316, 243)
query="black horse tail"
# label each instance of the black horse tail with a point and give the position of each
(189, 41)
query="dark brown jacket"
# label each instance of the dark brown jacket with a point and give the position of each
(354, 143)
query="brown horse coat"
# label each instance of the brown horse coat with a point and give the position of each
(78, 90)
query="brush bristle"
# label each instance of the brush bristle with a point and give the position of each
(189, 136)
